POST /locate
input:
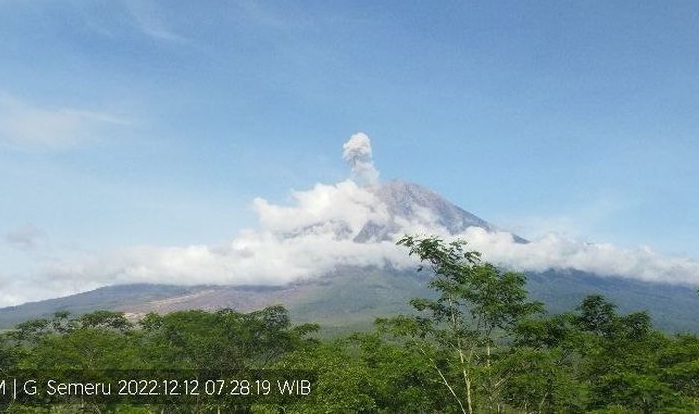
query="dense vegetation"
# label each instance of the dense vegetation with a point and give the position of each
(478, 345)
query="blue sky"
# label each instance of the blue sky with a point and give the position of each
(152, 123)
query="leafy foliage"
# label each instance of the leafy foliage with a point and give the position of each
(476, 303)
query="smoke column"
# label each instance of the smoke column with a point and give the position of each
(357, 153)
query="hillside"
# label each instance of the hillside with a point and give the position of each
(351, 297)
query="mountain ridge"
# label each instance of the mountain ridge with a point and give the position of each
(415, 202)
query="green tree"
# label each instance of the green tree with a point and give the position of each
(80, 349)
(105, 320)
(679, 362)
(477, 304)
(539, 381)
(226, 339)
(366, 373)
(619, 363)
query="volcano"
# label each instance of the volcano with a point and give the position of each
(350, 296)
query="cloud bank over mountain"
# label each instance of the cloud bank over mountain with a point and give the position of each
(347, 223)
(557, 252)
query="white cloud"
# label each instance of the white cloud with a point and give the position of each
(150, 20)
(26, 125)
(557, 252)
(306, 239)
(343, 202)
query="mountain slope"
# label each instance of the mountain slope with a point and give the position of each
(410, 200)
(110, 297)
(416, 203)
(352, 296)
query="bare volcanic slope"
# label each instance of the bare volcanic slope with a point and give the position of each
(415, 202)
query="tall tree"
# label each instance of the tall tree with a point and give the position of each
(458, 330)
